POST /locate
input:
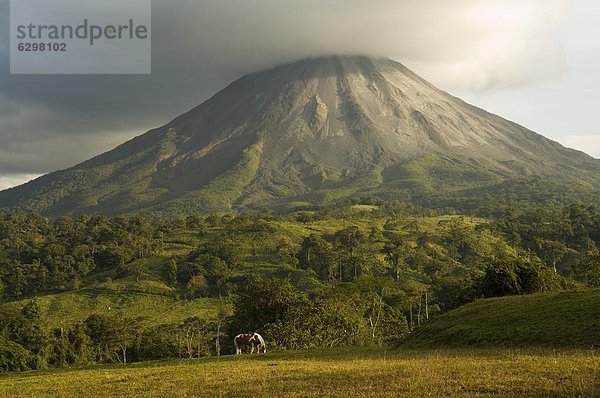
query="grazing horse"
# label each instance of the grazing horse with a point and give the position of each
(253, 340)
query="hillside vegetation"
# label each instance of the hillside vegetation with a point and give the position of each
(119, 299)
(557, 319)
(103, 290)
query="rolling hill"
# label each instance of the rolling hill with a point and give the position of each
(558, 319)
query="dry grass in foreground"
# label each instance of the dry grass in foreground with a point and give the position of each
(342, 372)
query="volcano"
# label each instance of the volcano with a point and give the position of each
(309, 133)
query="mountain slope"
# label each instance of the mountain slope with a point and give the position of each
(307, 133)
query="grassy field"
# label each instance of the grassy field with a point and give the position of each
(556, 319)
(338, 372)
(65, 309)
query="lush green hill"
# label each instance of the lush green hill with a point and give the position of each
(149, 302)
(362, 271)
(560, 319)
(149, 298)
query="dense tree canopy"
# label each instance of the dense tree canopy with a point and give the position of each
(354, 273)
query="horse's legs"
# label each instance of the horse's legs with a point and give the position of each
(252, 349)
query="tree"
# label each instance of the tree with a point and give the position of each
(370, 296)
(2, 290)
(31, 311)
(121, 269)
(552, 251)
(317, 254)
(304, 217)
(197, 286)
(112, 336)
(158, 342)
(125, 333)
(136, 269)
(40, 277)
(109, 257)
(195, 222)
(195, 337)
(451, 292)
(396, 251)
(217, 274)
(317, 323)
(501, 279)
(189, 269)
(224, 313)
(265, 301)
(171, 272)
(98, 328)
(13, 356)
(517, 276)
(28, 332)
(59, 355)
(17, 282)
(81, 346)
(457, 238)
(588, 270)
(223, 248)
(349, 239)
(286, 251)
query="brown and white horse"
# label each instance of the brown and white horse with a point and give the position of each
(253, 340)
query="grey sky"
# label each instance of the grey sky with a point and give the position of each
(534, 62)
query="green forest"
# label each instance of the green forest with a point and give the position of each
(95, 289)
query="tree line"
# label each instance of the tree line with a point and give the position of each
(362, 283)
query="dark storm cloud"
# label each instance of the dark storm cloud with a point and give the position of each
(51, 122)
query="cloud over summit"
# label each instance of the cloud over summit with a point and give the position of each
(200, 46)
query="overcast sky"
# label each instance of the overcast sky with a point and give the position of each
(534, 62)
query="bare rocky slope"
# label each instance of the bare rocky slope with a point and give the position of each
(312, 132)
